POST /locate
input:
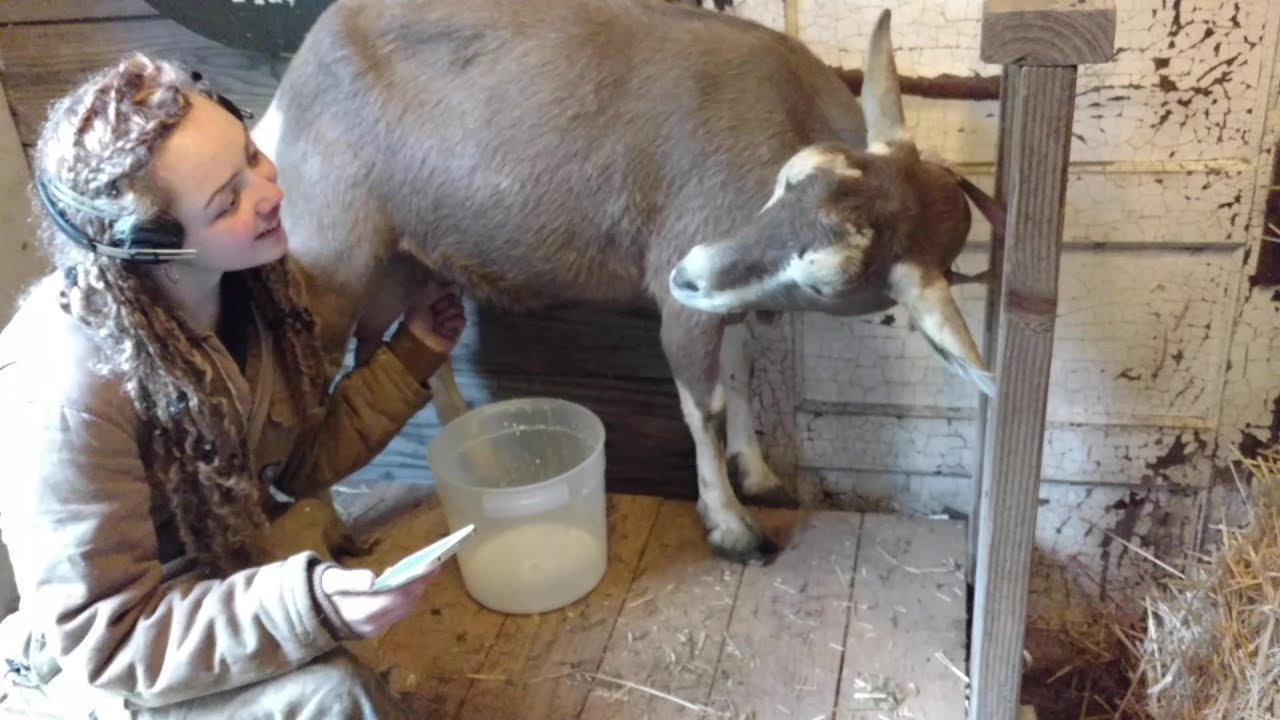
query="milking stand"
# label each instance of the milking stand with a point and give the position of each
(1040, 43)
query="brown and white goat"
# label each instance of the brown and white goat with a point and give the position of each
(540, 152)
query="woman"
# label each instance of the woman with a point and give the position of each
(156, 393)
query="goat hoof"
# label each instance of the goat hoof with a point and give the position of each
(741, 541)
(755, 483)
(759, 553)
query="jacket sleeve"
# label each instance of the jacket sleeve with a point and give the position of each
(367, 408)
(87, 562)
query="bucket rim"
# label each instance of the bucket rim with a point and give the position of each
(596, 428)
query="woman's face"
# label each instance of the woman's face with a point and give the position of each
(221, 189)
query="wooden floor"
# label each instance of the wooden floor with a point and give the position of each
(857, 618)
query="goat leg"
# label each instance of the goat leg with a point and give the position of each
(691, 341)
(750, 475)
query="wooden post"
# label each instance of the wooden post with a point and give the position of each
(1040, 43)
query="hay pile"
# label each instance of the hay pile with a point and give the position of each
(1212, 648)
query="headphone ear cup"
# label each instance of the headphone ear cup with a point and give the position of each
(163, 233)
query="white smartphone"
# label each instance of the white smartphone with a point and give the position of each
(421, 562)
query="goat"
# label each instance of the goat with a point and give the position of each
(543, 152)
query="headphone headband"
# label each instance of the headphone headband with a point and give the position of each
(140, 246)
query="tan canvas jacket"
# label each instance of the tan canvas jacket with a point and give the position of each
(94, 554)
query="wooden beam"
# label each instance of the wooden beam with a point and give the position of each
(43, 11)
(36, 77)
(20, 264)
(991, 318)
(1040, 102)
(1048, 32)
(1040, 43)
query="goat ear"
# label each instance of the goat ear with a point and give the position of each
(928, 300)
(881, 92)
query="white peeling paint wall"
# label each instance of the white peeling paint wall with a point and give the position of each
(1162, 356)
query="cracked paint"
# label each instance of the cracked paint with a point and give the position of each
(770, 13)
(1080, 572)
(1090, 454)
(1183, 82)
(1122, 314)
(1163, 358)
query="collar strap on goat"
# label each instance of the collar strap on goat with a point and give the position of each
(993, 210)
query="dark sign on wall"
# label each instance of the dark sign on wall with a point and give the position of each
(274, 27)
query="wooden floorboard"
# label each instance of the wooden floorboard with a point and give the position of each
(35, 77)
(606, 360)
(28, 11)
(789, 621)
(672, 628)
(431, 654)
(850, 621)
(908, 614)
(530, 671)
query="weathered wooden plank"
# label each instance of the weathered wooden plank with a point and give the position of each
(24, 11)
(20, 264)
(608, 361)
(35, 77)
(1140, 335)
(992, 304)
(1080, 572)
(529, 669)
(430, 654)
(1048, 32)
(770, 13)
(1185, 81)
(20, 261)
(1040, 123)
(864, 438)
(912, 494)
(673, 624)
(908, 610)
(1251, 404)
(785, 651)
(1149, 204)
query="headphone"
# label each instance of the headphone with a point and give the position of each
(158, 240)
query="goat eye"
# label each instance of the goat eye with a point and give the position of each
(801, 253)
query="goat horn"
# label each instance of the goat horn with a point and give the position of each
(927, 297)
(881, 94)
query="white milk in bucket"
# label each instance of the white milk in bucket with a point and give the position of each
(529, 473)
(515, 573)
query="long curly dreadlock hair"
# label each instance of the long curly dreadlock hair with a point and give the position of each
(95, 149)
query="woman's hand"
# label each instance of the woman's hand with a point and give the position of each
(368, 613)
(436, 317)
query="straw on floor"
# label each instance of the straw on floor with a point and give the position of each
(1212, 647)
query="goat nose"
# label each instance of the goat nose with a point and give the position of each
(681, 280)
